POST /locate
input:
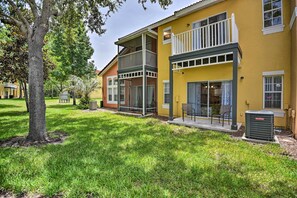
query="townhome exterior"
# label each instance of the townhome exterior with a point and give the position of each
(109, 84)
(234, 53)
(137, 72)
(293, 27)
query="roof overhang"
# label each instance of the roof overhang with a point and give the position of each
(146, 30)
(177, 14)
(110, 64)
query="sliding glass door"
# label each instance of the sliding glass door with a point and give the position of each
(137, 96)
(207, 97)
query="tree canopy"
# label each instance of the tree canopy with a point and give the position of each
(35, 18)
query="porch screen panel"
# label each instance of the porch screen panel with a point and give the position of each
(150, 96)
(227, 94)
(194, 97)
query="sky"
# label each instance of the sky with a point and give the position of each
(129, 18)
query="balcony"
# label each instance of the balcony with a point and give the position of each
(213, 35)
(134, 60)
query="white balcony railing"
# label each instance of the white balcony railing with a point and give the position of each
(209, 36)
(134, 59)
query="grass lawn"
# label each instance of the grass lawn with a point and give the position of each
(109, 155)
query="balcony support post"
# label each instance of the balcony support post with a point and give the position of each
(170, 91)
(144, 87)
(234, 90)
(119, 86)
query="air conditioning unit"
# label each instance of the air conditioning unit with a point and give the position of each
(259, 125)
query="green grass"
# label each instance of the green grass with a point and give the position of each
(109, 155)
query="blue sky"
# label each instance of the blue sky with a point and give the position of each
(129, 18)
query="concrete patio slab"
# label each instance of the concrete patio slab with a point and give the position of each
(204, 123)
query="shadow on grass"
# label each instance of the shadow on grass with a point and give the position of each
(114, 156)
(7, 106)
(65, 106)
(13, 114)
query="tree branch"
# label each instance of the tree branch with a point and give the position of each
(33, 7)
(12, 21)
(46, 11)
(19, 13)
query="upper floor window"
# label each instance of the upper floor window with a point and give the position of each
(167, 35)
(272, 16)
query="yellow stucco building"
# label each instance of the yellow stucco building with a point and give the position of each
(216, 53)
(9, 90)
(98, 92)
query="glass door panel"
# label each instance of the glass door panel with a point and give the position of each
(207, 97)
(215, 97)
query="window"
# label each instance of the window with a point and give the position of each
(112, 89)
(272, 16)
(166, 92)
(167, 35)
(273, 92)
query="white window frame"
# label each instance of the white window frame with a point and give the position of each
(165, 105)
(274, 28)
(113, 87)
(168, 40)
(278, 112)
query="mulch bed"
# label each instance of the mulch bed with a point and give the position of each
(289, 144)
(56, 137)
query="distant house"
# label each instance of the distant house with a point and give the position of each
(9, 90)
(98, 92)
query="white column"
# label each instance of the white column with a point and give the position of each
(144, 74)
(234, 29)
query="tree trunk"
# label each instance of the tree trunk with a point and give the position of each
(52, 92)
(26, 95)
(73, 97)
(37, 124)
(21, 92)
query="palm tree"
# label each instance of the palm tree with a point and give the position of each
(83, 87)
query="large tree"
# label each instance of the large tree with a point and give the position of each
(71, 48)
(34, 18)
(14, 59)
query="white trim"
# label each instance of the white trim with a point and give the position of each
(168, 40)
(176, 67)
(112, 87)
(277, 112)
(282, 93)
(273, 73)
(275, 28)
(165, 106)
(164, 83)
(293, 18)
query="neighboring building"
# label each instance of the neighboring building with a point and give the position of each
(211, 54)
(98, 92)
(9, 90)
